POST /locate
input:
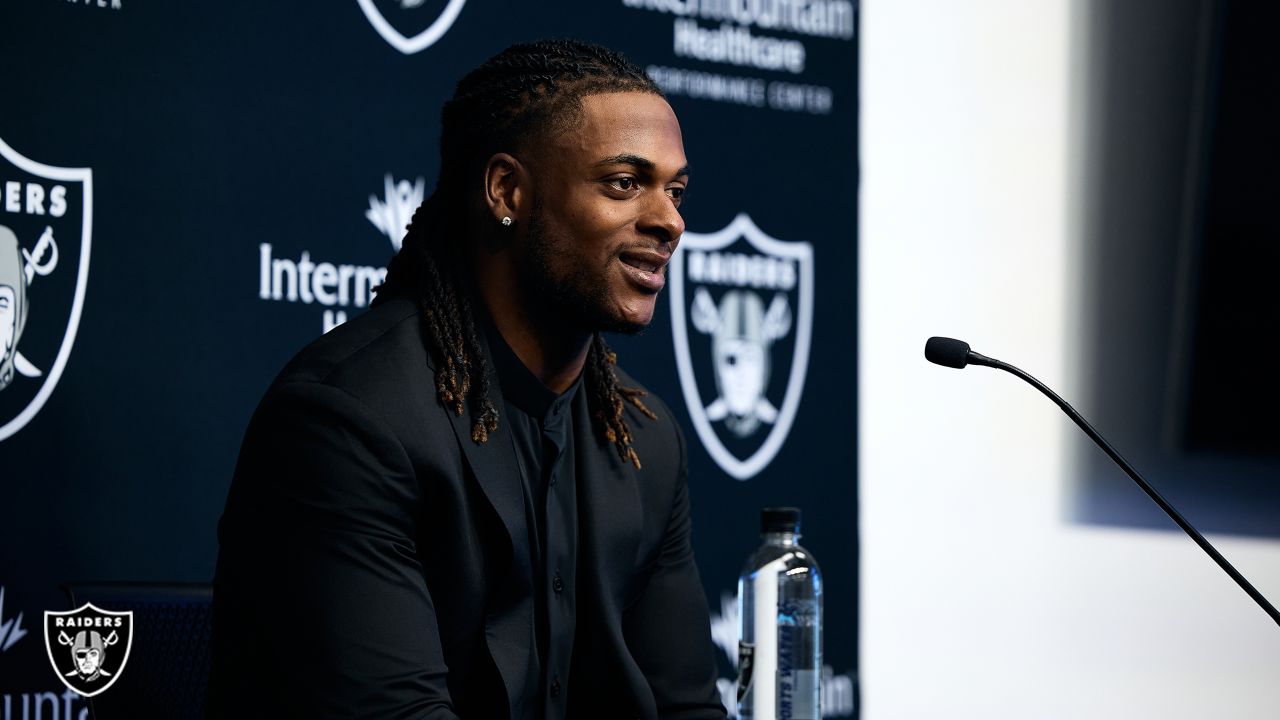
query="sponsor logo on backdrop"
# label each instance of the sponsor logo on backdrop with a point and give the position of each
(339, 286)
(11, 630)
(88, 647)
(411, 26)
(45, 704)
(742, 316)
(745, 35)
(837, 690)
(46, 214)
(113, 4)
(391, 215)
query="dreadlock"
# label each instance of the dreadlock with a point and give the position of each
(523, 93)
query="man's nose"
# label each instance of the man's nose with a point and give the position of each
(662, 219)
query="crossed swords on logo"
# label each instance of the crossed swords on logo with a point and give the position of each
(37, 264)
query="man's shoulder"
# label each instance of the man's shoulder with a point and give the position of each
(660, 436)
(377, 357)
(652, 401)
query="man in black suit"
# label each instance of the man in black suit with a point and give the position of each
(456, 505)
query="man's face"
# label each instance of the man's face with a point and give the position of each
(606, 214)
(8, 320)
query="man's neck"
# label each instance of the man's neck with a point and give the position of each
(554, 353)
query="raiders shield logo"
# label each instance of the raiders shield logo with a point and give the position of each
(45, 218)
(411, 25)
(88, 647)
(742, 315)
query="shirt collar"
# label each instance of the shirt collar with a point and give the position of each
(522, 388)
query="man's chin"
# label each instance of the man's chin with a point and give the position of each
(625, 320)
(625, 327)
(595, 319)
(598, 310)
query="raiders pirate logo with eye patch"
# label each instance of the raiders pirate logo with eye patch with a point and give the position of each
(46, 214)
(742, 315)
(88, 646)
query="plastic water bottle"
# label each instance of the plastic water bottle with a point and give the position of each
(780, 631)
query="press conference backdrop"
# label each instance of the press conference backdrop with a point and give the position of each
(194, 191)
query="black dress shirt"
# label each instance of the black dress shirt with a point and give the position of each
(541, 424)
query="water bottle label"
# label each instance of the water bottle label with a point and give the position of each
(797, 695)
(797, 687)
(746, 662)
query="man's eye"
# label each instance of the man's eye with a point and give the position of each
(676, 193)
(625, 184)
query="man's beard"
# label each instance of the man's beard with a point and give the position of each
(583, 305)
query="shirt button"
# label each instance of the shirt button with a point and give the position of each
(557, 583)
(555, 688)
(553, 478)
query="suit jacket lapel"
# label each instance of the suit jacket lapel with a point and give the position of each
(509, 631)
(496, 471)
(494, 461)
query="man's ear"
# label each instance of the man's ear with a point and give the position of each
(506, 189)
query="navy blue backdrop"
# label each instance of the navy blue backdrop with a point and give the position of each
(197, 190)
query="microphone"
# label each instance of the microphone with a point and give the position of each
(952, 353)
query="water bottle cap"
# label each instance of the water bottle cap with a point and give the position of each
(780, 520)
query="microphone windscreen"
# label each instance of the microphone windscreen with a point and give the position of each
(947, 352)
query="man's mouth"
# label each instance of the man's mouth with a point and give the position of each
(646, 260)
(646, 268)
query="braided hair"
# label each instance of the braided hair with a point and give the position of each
(524, 93)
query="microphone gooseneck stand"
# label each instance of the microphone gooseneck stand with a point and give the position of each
(956, 354)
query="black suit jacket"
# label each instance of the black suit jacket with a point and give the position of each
(374, 560)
